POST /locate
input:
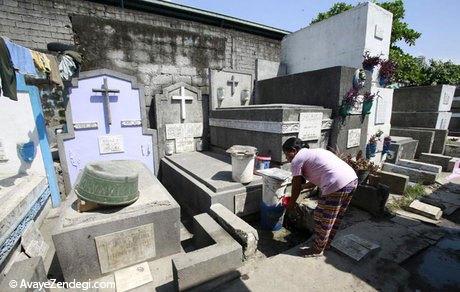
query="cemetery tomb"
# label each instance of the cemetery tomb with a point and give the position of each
(367, 27)
(434, 120)
(401, 148)
(24, 186)
(199, 179)
(379, 119)
(454, 125)
(179, 119)
(267, 127)
(230, 88)
(423, 106)
(423, 99)
(324, 88)
(425, 138)
(92, 244)
(105, 121)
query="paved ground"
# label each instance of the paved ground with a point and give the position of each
(414, 255)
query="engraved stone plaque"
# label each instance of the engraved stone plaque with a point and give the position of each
(185, 145)
(132, 277)
(111, 144)
(131, 123)
(84, 126)
(186, 130)
(381, 111)
(310, 126)
(124, 248)
(354, 136)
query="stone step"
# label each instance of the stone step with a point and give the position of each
(426, 210)
(436, 159)
(216, 260)
(420, 165)
(415, 175)
(241, 231)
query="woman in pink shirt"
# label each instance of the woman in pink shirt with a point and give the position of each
(336, 179)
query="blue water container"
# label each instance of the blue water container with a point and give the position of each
(271, 217)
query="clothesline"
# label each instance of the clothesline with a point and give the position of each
(15, 58)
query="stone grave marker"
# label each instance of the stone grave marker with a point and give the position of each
(230, 88)
(105, 121)
(179, 118)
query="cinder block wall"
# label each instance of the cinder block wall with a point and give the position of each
(158, 50)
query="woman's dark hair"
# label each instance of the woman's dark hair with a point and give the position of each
(294, 143)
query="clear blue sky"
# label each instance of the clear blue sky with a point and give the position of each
(437, 20)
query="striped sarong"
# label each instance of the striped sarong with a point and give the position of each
(329, 214)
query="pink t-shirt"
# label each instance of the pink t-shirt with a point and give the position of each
(323, 168)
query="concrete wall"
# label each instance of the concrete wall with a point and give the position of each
(339, 41)
(158, 50)
(17, 125)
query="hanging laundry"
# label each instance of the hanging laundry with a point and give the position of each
(7, 73)
(21, 58)
(54, 74)
(67, 67)
(41, 61)
(75, 55)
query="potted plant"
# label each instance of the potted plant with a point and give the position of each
(368, 100)
(369, 61)
(348, 102)
(387, 71)
(361, 166)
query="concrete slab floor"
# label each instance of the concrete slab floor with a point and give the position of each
(276, 266)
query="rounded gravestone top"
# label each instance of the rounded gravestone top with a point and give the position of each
(114, 182)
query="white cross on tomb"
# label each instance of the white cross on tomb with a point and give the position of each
(182, 97)
(233, 83)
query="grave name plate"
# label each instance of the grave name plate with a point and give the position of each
(82, 126)
(110, 144)
(381, 111)
(123, 248)
(310, 126)
(354, 137)
(186, 130)
(185, 145)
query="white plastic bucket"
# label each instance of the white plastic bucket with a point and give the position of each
(243, 167)
(272, 190)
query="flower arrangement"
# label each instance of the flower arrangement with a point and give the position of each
(387, 71)
(348, 101)
(369, 97)
(361, 166)
(369, 61)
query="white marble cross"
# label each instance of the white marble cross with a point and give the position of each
(233, 83)
(182, 97)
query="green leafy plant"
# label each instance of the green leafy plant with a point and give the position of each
(411, 193)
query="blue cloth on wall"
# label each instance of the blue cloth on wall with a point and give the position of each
(21, 58)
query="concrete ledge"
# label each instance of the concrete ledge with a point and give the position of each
(396, 182)
(415, 175)
(30, 270)
(436, 159)
(219, 256)
(241, 231)
(420, 166)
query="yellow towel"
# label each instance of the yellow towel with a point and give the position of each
(41, 61)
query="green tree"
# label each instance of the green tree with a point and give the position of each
(335, 9)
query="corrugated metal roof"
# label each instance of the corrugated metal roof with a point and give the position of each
(199, 15)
